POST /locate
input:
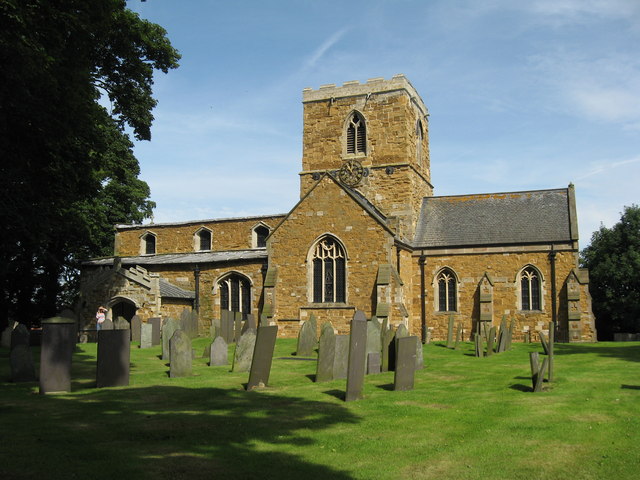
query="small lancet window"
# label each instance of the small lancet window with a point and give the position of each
(419, 139)
(204, 240)
(149, 244)
(356, 134)
(260, 233)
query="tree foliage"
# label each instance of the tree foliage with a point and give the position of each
(613, 260)
(68, 170)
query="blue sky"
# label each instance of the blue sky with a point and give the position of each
(523, 95)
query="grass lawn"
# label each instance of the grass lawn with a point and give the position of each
(467, 418)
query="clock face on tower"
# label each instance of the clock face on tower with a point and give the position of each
(351, 173)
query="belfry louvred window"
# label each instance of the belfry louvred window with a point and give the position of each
(356, 134)
(329, 276)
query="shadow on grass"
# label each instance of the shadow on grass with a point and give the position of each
(630, 387)
(625, 351)
(521, 388)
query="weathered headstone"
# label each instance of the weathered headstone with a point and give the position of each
(121, 323)
(146, 335)
(237, 326)
(373, 363)
(341, 360)
(168, 329)
(537, 371)
(405, 363)
(450, 332)
(357, 357)
(156, 330)
(107, 325)
(326, 354)
(6, 338)
(491, 339)
(136, 323)
(114, 349)
(56, 351)
(401, 332)
(419, 355)
(262, 357)
(374, 342)
(219, 352)
(181, 355)
(189, 322)
(387, 340)
(21, 361)
(249, 324)
(19, 336)
(307, 339)
(226, 326)
(244, 352)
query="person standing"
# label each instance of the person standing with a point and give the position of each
(100, 317)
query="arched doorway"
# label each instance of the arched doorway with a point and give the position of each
(123, 308)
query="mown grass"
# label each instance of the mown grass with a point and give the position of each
(466, 418)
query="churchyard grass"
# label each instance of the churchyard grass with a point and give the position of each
(467, 418)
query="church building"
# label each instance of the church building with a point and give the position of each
(367, 234)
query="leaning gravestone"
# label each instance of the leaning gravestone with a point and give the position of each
(405, 363)
(168, 329)
(136, 323)
(341, 360)
(121, 324)
(357, 357)
(146, 335)
(156, 335)
(19, 336)
(219, 353)
(181, 355)
(114, 349)
(262, 357)
(21, 361)
(56, 351)
(326, 354)
(244, 352)
(307, 340)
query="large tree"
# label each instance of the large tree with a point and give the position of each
(613, 260)
(68, 171)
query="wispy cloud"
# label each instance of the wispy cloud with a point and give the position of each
(599, 168)
(324, 48)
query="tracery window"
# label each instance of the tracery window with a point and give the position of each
(329, 272)
(530, 288)
(447, 291)
(235, 293)
(356, 134)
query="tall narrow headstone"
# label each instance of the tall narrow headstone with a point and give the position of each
(56, 351)
(168, 329)
(249, 323)
(214, 330)
(237, 326)
(136, 323)
(226, 326)
(114, 349)
(156, 330)
(357, 357)
(341, 360)
(262, 357)
(401, 332)
(374, 342)
(181, 355)
(6, 337)
(387, 341)
(450, 332)
(326, 354)
(21, 362)
(405, 363)
(307, 339)
(19, 336)
(146, 335)
(419, 355)
(244, 352)
(219, 353)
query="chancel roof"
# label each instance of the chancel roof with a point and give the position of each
(540, 216)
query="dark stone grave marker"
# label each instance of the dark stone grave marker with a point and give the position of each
(244, 352)
(146, 335)
(262, 357)
(181, 355)
(136, 323)
(168, 329)
(6, 337)
(373, 363)
(307, 339)
(237, 326)
(21, 361)
(341, 360)
(249, 324)
(56, 351)
(405, 363)
(357, 357)
(122, 324)
(219, 352)
(114, 350)
(156, 330)
(387, 348)
(326, 354)
(19, 336)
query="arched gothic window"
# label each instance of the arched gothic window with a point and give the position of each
(530, 288)
(329, 272)
(356, 134)
(447, 291)
(235, 293)
(148, 244)
(203, 239)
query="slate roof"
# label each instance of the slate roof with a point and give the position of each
(182, 258)
(168, 290)
(540, 216)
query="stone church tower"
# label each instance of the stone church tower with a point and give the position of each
(375, 138)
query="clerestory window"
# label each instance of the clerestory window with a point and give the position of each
(329, 272)
(203, 240)
(530, 289)
(260, 234)
(356, 135)
(447, 291)
(148, 244)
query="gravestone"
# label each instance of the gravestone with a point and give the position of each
(68, 313)
(6, 338)
(341, 360)
(374, 341)
(219, 352)
(56, 351)
(214, 330)
(19, 336)
(146, 335)
(21, 361)
(206, 353)
(189, 322)
(237, 326)
(387, 341)
(156, 330)
(227, 326)
(168, 329)
(357, 357)
(136, 324)
(307, 339)
(249, 324)
(326, 354)
(181, 356)
(419, 355)
(114, 349)
(373, 363)
(401, 332)
(262, 357)
(107, 325)
(244, 352)
(405, 363)
(121, 324)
